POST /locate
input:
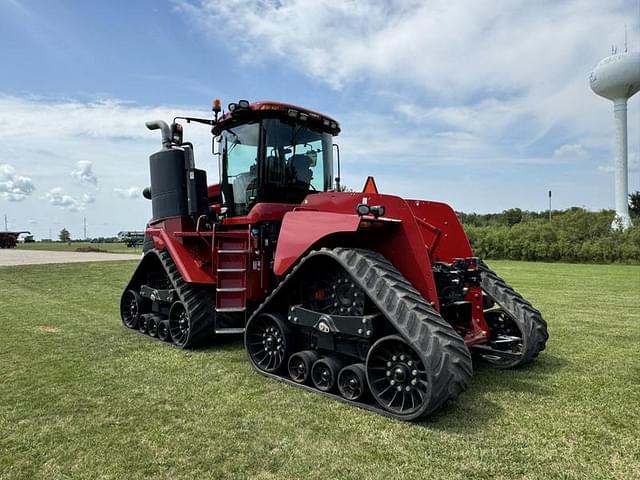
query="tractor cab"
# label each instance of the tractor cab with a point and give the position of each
(274, 153)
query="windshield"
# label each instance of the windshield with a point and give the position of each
(273, 161)
(297, 156)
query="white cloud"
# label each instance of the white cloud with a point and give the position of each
(112, 134)
(58, 198)
(88, 198)
(128, 193)
(83, 123)
(454, 48)
(84, 172)
(570, 151)
(14, 187)
(517, 70)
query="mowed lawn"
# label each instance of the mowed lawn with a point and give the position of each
(81, 397)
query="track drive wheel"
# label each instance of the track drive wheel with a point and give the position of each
(268, 338)
(352, 382)
(130, 308)
(324, 373)
(300, 364)
(163, 331)
(397, 377)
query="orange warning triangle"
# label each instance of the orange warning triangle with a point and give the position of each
(370, 186)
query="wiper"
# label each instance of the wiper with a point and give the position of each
(236, 140)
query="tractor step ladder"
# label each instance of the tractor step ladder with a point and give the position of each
(232, 252)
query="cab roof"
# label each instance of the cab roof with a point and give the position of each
(238, 114)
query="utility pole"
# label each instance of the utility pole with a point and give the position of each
(85, 228)
(549, 205)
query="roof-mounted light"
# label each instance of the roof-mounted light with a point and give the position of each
(243, 104)
(216, 106)
(232, 107)
(326, 122)
(303, 117)
(292, 113)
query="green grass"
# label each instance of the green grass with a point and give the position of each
(81, 397)
(72, 247)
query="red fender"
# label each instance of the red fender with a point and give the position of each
(189, 267)
(302, 229)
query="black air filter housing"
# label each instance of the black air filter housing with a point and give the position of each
(197, 193)
(168, 183)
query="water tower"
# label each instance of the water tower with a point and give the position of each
(617, 78)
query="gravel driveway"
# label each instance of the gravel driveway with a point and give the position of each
(14, 256)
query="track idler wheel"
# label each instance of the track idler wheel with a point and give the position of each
(352, 382)
(163, 331)
(179, 324)
(324, 373)
(268, 338)
(130, 308)
(397, 377)
(152, 326)
(300, 365)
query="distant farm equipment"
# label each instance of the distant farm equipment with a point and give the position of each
(131, 239)
(10, 239)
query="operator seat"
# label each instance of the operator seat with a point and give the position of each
(240, 184)
(300, 166)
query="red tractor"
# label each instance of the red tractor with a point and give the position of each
(10, 239)
(368, 298)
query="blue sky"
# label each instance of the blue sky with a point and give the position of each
(484, 105)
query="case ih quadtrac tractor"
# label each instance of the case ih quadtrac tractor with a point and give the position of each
(368, 298)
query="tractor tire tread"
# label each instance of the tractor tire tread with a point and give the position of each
(528, 318)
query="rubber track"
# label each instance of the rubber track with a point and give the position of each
(197, 299)
(528, 318)
(446, 356)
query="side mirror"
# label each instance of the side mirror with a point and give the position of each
(215, 145)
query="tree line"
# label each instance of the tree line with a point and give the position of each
(572, 235)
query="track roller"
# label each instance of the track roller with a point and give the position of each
(324, 373)
(163, 331)
(397, 376)
(130, 308)
(352, 381)
(152, 326)
(300, 365)
(143, 323)
(267, 339)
